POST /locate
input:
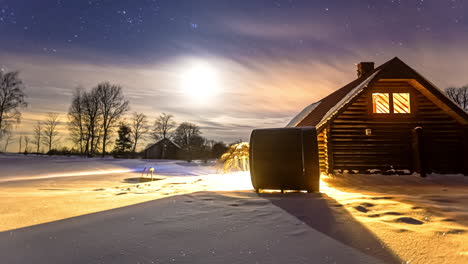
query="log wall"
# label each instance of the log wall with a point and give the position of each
(389, 145)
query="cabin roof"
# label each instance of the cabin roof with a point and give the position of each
(322, 111)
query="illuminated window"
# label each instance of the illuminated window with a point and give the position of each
(381, 103)
(401, 103)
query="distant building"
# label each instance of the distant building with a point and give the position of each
(163, 149)
(370, 123)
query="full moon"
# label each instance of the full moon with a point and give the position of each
(200, 81)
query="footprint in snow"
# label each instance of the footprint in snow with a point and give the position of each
(409, 220)
(449, 220)
(382, 198)
(361, 209)
(367, 205)
(374, 215)
(402, 230)
(392, 213)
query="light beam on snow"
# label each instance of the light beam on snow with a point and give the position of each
(72, 174)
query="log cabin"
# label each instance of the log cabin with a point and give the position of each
(370, 124)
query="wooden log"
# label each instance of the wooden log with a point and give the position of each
(419, 156)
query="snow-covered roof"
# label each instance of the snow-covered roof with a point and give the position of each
(347, 98)
(299, 117)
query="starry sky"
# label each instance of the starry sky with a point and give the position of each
(271, 58)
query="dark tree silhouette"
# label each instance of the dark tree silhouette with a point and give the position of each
(112, 105)
(139, 127)
(77, 120)
(50, 130)
(188, 137)
(124, 142)
(163, 126)
(185, 133)
(12, 97)
(218, 149)
(26, 144)
(92, 119)
(37, 136)
(459, 95)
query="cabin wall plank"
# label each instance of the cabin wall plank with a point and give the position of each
(389, 145)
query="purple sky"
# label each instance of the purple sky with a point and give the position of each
(269, 58)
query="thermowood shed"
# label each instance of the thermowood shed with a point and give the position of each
(368, 124)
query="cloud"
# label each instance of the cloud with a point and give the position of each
(255, 91)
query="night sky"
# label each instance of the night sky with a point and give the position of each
(270, 58)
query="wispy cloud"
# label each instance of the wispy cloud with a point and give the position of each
(254, 91)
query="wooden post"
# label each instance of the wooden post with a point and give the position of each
(419, 155)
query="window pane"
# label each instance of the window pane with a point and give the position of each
(381, 103)
(401, 103)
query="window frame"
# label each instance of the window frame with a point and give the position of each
(391, 91)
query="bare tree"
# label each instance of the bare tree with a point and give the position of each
(20, 142)
(113, 105)
(139, 128)
(188, 137)
(164, 126)
(186, 133)
(92, 121)
(37, 136)
(8, 136)
(12, 97)
(76, 120)
(50, 131)
(459, 95)
(26, 144)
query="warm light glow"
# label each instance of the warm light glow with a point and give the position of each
(200, 81)
(381, 103)
(401, 103)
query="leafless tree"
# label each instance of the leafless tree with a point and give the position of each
(20, 142)
(8, 137)
(185, 133)
(76, 120)
(26, 144)
(139, 128)
(12, 97)
(37, 136)
(459, 95)
(92, 121)
(164, 126)
(50, 131)
(113, 105)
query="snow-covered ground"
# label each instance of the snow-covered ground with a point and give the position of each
(21, 167)
(193, 214)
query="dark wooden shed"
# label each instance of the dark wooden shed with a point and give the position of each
(369, 123)
(163, 149)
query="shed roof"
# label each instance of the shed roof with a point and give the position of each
(160, 141)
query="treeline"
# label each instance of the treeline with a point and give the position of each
(186, 135)
(94, 116)
(98, 124)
